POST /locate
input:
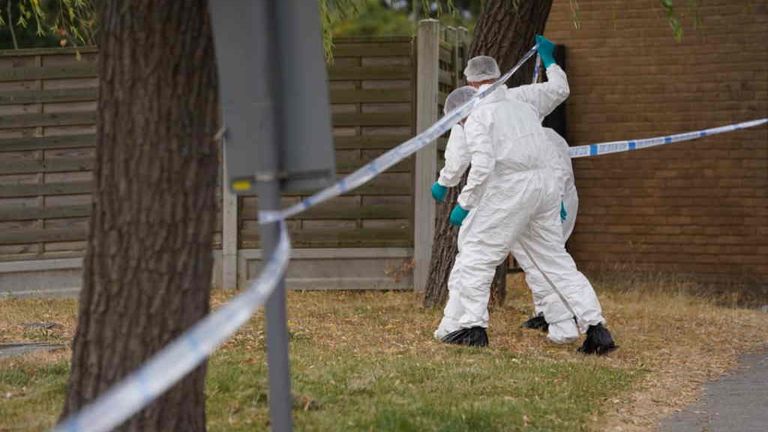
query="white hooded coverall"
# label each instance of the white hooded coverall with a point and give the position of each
(513, 193)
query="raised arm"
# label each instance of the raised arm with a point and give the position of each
(544, 97)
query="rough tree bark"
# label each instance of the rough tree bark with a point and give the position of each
(148, 267)
(504, 32)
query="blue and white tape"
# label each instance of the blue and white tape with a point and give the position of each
(630, 145)
(536, 70)
(395, 155)
(181, 356)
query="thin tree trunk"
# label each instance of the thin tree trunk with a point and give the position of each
(504, 33)
(149, 262)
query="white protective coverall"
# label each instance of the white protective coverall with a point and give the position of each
(513, 193)
(566, 331)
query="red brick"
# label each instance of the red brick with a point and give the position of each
(694, 207)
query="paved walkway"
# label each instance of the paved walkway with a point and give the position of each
(736, 402)
(17, 349)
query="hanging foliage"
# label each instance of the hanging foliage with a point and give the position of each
(68, 22)
(73, 22)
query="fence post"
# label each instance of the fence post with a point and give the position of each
(452, 37)
(428, 50)
(229, 279)
(462, 45)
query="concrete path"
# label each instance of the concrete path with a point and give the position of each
(17, 349)
(736, 402)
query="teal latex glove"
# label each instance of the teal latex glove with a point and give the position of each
(458, 214)
(546, 50)
(439, 192)
(563, 212)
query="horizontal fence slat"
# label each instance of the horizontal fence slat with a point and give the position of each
(85, 70)
(338, 237)
(373, 119)
(382, 189)
(34, 213)
(352, 73)
(26, 190)
(376, 187)
(48, 119)
(49, 166)
(446, 55)
(374, 49)
(49, 96)
(42, 235)
(368, 142)
(362, 96)
(446, 77)
(47, 143)
(71, 51)
(386, 190)
(390, 211)
(371, 39)
(348, 167)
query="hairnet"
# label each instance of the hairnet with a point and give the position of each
(481, 68)
(457, 98)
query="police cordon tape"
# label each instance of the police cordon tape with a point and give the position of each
(377, 166)
(186, 352)
(181, 356)
(630, 145)
(536, 70)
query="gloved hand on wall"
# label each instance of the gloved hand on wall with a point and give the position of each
(546, 50)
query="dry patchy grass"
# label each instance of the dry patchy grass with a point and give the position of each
(681, 340)
(367, 361)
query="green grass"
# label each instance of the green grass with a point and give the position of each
(31, 394)
(466, 390)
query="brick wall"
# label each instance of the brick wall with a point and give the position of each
(695, 207)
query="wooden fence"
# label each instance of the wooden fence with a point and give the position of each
(364, 239)
(371, 83)
(47, 145)
(47, 126)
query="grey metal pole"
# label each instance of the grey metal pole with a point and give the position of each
(303, 131)
(269, 191)
(280, 399)
(274, 98)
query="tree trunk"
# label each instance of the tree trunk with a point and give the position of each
(148, 267)
(504, 33)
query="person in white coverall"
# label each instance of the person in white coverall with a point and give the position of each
(457, 159)
(513, 199)
(568, 212)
